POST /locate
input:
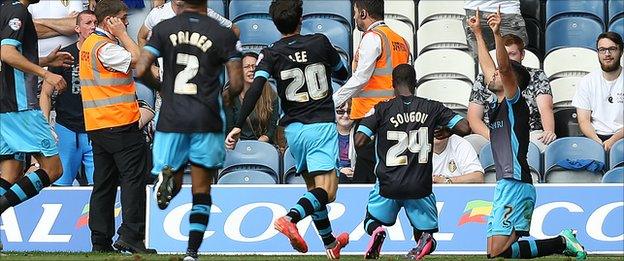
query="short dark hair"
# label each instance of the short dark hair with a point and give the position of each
(286, 15)
(523, 78)
(511, 39)
(613, 36)
(83, 12)
(105, 8)
(375, 8)
(250, 54)
(195, 2)
(404, 75)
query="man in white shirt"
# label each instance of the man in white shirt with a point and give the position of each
(58, 18)
(599, 98)
(455, 161)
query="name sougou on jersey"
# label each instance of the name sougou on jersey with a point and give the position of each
(194, 48)
(403, 129)
(509, 134)
(302, 66)
(18, 91)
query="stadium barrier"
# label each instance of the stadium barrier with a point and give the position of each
(241, 219)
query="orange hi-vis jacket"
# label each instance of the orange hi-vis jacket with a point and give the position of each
(108, 96)
(394, 51)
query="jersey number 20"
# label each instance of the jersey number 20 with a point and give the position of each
(417, 141)
(181, 84)
(314, 76)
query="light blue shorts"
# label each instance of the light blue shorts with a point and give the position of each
(512, 208)
(26, 131)
(74, 150)
(173, 149)
(422, 213)
(314, 146)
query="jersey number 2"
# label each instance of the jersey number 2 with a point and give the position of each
(181, 84)
(417, 141)
(314, 76)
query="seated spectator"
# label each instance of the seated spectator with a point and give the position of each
(599, 97)
(262, 122)
(455, 161)
(537, 95)
(346, 150)
(512, 21)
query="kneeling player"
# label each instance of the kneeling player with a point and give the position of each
(404, 128)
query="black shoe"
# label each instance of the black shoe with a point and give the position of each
(165, 187)
(133, 247)
(103, 249)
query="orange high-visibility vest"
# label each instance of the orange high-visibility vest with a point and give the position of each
(394, 51)
(108, 96)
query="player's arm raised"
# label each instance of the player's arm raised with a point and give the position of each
(504, 67)
(485, 60)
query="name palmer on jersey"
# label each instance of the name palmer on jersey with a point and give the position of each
(195, 39)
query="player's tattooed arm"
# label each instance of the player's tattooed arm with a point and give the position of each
(144, 70)
(504, 66)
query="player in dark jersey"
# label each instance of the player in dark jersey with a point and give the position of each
(191, 124)
(404, 129)
(23, 129)
(303, 66)
(514, 196)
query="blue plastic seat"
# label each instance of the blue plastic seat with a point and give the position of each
(616, 155)
(290, 175)
(566, 124)
(338, 34)
(240, 9)
(615, 175)
(487, 162)
(257, 33)
(616, 9)
(247, 177)
(217, 6)
(617, 25)
(531, 9)
(252, 155)
(534, 158)
(557, 9)
(573, 148)
(572, 32)
(339, 10)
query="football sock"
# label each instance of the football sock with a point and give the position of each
(535, 248)
(200, 213)
(370, 224)
(321, 222)
(4, 186)
(417, 234)
(308, 204)
(27, 187)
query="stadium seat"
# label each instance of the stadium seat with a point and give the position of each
(441, 34)
(401, 10)
(615, 175)
(477, 141)
(487, 162)
(453, 93)
(252, 155)
(429, 10)
(572, 32)
(247, 177)
(532, 9)
(401, 28)
(616, 10)
(290, 173)
(534, 32)
(563, 90)
(530, 60)
(337, 33)
(570, 62)
(556, 9)
(239, 9)
(339, 10)
(617, 26)
(445, 64)
(217, 6)
(293, 178)
(616, 155)
(257, 33)
(566, 124)
(573, 148)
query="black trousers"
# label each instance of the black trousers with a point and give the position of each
(120, 158)
(364, 163)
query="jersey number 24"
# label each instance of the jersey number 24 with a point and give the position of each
(314, 77)
(416, 141)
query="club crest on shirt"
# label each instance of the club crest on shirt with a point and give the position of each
(15, 24)
(452, 166)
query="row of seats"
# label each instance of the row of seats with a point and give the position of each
(260, 163)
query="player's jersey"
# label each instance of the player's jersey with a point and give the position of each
(302, 66)
(194, 48)
(509, 134)
(403, 129)
(18, 91)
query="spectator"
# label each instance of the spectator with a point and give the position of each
(262, 122)
(346, 150)
(513, 23)
(455, 161)
(137, 12)
(73, 143)
(599, 98)
(55, 22)
(111, 115)
(537, 95)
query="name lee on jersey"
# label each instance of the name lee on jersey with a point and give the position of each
(300, 57)
(408, 117)
(195, 39)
